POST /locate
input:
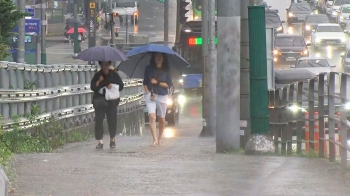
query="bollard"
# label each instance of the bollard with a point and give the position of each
(75, 81)
(81, 80)
(55, 83)
(26, 74)
(12, 67)
(87, 73)
(306, 131)
(33, 75)
(4, 75)
(62, 82)
(55, 76)
(41, 76)
(337, 137)
(5, 111)
(48, 84)
(316, 133)
(69, 82)
(20, 75)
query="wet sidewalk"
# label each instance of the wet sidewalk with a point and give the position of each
(183, 165)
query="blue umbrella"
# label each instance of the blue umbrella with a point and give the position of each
(102, 53)
(139, 58)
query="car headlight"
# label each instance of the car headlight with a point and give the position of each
(334, 13)
(343, 39)
(341, 18)
(279, 28)
(318, 40)
(307, 27)
(181, 81)
(305, 52)
(290, 14)
(275, 52)
(169, 102)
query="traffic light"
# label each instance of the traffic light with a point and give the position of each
(183, 11)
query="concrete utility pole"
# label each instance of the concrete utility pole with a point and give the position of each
(212, 67)
(228, 76)
(21, 34)
(205, 86)
(166, 21)
(43, 32)
(75, 35)
(260, 141)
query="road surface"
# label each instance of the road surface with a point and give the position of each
(184, 165)
(333, 56)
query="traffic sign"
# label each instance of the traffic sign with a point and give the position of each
(31, 26)
(31, 11)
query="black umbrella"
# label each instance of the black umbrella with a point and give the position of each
(71, 21)
(102, 53)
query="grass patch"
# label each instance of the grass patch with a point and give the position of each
(309, 154)
(44, 138)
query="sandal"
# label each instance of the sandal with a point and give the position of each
(99, 146)
(154, 144)
(112, 144)
(159, 143)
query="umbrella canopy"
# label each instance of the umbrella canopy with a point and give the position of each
(139, 59)
(71, 21)
(80, 30)
(102, 53)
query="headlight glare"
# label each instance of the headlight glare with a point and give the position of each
(307, 27)
(290, 14)
(275, 52)
(169, 102)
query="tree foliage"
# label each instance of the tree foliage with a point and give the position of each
(9, 17)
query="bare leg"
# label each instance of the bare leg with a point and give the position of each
(152, 126)
(161, 129)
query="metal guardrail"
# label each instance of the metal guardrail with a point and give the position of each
(59, 90)
(287, 106)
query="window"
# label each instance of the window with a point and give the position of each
(329, 29)
(312, 63)
(289, 41)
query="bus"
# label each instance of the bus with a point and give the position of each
(189, 46)
(197, 8)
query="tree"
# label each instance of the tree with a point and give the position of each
(9, 17)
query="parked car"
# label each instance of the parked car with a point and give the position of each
(289, 47)
(329, 34)
(297, 12)
(316, 65)
(343, 15)
(345, 61)
(311, 22)
(273, 19)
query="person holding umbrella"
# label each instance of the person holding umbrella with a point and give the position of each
(104, 78)
(157, 81)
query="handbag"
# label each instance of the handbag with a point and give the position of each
(99, 101)
(153, 95)
(112, 93)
